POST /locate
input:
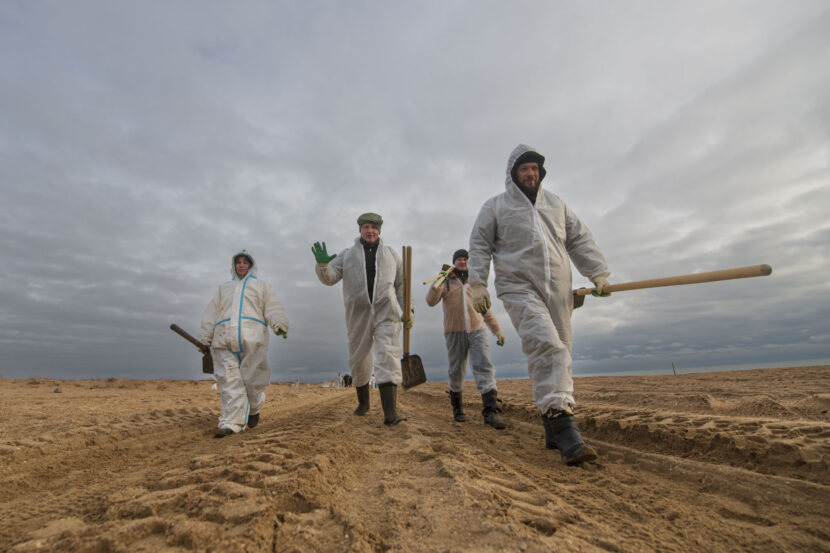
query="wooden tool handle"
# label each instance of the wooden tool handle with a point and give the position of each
(407, 293)
(696, 278)
(181, 332)
(439, 275)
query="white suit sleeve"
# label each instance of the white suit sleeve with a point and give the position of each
(331, 273)
(208, 324)
(274, 311)
(582, 248)
(482, 244)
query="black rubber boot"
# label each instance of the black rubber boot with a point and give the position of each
(253, 420)
(457, 407)
(388, 398)
(491, 410)
(362, 400)
(562, 433)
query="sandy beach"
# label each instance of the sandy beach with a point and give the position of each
(731, 461)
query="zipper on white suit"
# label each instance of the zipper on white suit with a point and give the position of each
(538, 226)
(464, 303)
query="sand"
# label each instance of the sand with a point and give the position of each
(733, 461)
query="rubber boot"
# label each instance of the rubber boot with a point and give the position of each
(491, 410)
(362, 400)
(562, 433)
(457, 407)
(253, 420)
(388, 397)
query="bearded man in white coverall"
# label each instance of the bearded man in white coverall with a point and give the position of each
(466, 337)
(373, 296)
(235, 325)
(531, 236)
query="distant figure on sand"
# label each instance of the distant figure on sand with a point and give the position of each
(466, 337)
(372, 294)
(235, 325)
(531, 237)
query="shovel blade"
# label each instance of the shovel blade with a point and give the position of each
(412, 370)
(207, 364)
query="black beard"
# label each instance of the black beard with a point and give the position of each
(531, 186)
(530, 192)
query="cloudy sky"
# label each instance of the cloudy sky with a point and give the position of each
(142, 143)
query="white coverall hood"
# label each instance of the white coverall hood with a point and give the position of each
(251, 272)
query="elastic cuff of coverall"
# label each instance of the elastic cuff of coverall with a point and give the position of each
(459, 388)
(557, 401)
(488, 389)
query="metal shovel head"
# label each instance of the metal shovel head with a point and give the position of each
(207, 363)
(412, 370)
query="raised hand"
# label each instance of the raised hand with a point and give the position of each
(320, 254)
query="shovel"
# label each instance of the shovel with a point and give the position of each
(695, 278)
(444, 268)
(412, 369)
(207, 360)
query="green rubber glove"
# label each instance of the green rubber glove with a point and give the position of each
(500, 340)
(320, 253)
(281, 332)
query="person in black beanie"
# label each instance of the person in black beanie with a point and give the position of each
(531, 237)
(466, 338)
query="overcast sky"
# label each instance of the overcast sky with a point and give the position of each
(143, 143)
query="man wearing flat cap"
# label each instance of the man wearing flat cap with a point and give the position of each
(466, 338)
(373, 295)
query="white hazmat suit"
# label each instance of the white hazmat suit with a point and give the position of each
(373, 327)
(236, 326)
(531, 247)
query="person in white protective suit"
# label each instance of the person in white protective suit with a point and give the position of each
(531, 237)
(373, 296)
(236, 326)
(465, 337)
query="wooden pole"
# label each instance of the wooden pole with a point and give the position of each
(406, 297)
(696, 278)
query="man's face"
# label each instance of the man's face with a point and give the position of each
(528, 175)
(242, 266)
(369, 232)
(460, 263)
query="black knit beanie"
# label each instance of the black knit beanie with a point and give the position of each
(529, 157)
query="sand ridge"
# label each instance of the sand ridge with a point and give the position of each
(733, 461)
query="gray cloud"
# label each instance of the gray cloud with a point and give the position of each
(141, 146)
